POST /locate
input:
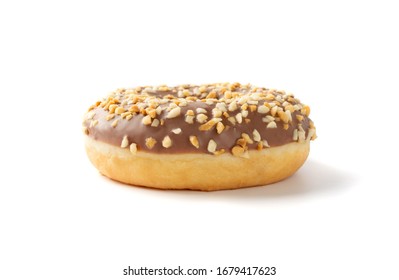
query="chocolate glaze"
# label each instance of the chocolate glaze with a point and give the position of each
(137, 132)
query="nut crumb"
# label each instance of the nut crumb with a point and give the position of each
(219, 127)
(247, 138)
(209, 124)
(166, 142)
(110, 117)
(295, 135)
(194, 141)
(189, 119)
(239, 118)
(173, 113)
(150, 142)
(212, 146)
(201, 118)
(93, 123)
(200, 110)
(146, 120)
(125, 142)
(239, 151)
(256, 135)
(272, 124)
(176, 130)
(115, 123)
(133, 148)
(263, 109)
(155, 123)
(119, 110)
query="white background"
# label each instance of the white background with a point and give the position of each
(337, 218)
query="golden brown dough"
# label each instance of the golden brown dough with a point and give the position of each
(197, 171)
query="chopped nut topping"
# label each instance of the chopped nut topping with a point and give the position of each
(133, 148)
(166, 142)
(201, 118)
(233, 106)
(125, 142)
(283, 116)
(93, 123)
(173, 113)
(134, 109)
(301, 136)
(289, 108)
(239, 151)
(305, 110)
(273, 111)
(265, 144)
(216, 105)
(242, 142)
(219, 127)
(194, 141)
(252, 108)
(151, 112)
(244, 106)
(219, 152)
(212, 146)
(150, 142)
(239, 118)
(110, 117)
(256, 135)
(124, 115)
(263, 109)
(268, 119)
(269, 96)
(212, 94)
(216, 113)
(247, 138)
(119, 110)
(115, 123)
(189, 119)
(146, 120)
(112, 108)
(201, 110)
(221, 107)
(155, 123)
(232, 120)
(313, 134)
(158, 110)
(176, 130)
(209, 124)
(295, 136)
(90, 115)
(271, 125)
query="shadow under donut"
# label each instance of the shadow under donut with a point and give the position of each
(313, 178)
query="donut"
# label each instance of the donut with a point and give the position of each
(198, 137)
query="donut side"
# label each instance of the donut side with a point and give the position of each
(196, 171)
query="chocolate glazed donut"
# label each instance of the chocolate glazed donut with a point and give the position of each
(208, 137)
